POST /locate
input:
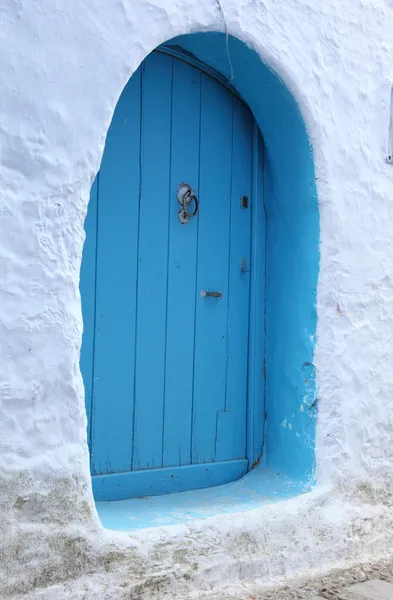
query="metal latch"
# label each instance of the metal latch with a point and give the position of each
(243, 266)
(205, 294)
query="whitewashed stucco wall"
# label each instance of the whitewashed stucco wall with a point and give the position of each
(63, 67)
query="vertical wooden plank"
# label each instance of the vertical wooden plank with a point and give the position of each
(152, 261)
(117, 237)
(88, 299)
(213, 263)
(181, 268)
(257, 341)
(231, 424)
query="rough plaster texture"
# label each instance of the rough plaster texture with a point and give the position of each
(64, 66)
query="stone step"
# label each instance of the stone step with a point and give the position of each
(368, 590)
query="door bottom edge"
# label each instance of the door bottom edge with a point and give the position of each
(166, 480)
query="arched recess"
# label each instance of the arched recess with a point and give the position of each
(282, 377)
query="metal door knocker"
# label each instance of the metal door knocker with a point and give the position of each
(185, 197)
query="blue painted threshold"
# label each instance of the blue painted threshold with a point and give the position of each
(165, 481)
(260, 486)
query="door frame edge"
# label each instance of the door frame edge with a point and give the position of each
(257, 326)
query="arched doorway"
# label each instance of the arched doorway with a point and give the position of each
(168, 305)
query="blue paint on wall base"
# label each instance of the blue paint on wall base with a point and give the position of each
(260, 486)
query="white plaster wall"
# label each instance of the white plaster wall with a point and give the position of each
(63, 67)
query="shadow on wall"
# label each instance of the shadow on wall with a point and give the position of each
(292, 252)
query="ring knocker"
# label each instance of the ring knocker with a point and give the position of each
(185, 197)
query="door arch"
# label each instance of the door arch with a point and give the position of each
(165, 365)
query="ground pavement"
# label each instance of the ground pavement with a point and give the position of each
(376, 589)
(372, 581)
(365, 581)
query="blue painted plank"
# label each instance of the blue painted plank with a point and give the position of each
(231, 425)
(257, 341)
(181, 268)
(153, 261)
(118, 210)
(213, 265)
(88, 298)
(167, 480)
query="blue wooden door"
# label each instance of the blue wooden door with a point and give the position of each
(165, 367)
